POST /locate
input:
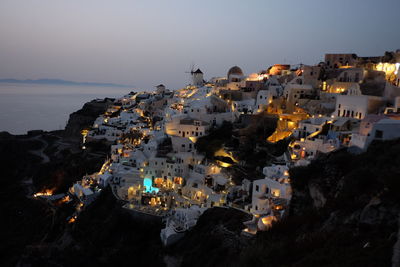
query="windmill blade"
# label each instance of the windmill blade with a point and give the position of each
(192, 67)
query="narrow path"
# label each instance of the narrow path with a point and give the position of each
(40, 152)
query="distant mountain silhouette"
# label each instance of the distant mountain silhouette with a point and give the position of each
(62, 82)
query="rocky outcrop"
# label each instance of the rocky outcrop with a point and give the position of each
(214, 241)
(318, 198)
(85, 117)
(36, 162)
(344, 211)
(396, 249)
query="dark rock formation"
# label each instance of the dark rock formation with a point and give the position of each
(344, 211)
(214, 241)
(84, 118)
(32, 163)
(104, 235)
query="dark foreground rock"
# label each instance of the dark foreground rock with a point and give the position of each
(344, 212)
(32, 163)
(104, 235)
(215, 240)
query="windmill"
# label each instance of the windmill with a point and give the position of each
(196, 76)
(191, 72)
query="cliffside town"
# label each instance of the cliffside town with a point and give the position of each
(261, 164)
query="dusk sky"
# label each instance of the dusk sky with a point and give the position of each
(144, 43)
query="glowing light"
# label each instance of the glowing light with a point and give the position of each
(223, 164)
(193, 139)
(267, 221)
(148, 184)
(222, 153)
(72, 219)
(65, 199)
(178, 180)
(324, 86)
(47, 192)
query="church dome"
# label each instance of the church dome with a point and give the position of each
(235, 71)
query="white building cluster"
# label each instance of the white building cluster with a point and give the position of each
(154, 166)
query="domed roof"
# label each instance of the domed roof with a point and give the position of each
(235, 71)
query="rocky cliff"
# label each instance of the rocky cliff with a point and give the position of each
(344, 212)
(84, 118)
(36, 162)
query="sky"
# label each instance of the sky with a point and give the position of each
(144, 43)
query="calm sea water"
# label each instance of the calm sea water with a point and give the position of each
(25, 107)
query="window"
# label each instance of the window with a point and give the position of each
(378, 134)
(275, 192)
(345, 77)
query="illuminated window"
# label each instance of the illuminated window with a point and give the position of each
(178, 180)
(275, 192)
(158, 181)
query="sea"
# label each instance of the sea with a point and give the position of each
(25, 107)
